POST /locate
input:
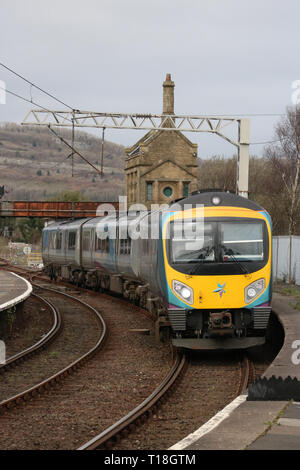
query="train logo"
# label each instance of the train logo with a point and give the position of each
(221, 289)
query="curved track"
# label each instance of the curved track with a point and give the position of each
(44, 384)
(26, 353)
(149, 407)
(141, 413)
(112, 435)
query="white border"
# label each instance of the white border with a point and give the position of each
(20, 298)
(210, 425)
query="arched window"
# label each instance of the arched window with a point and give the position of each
(185, 189)
(149, 191)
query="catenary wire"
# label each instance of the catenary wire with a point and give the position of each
(36, 86)
(32, 102)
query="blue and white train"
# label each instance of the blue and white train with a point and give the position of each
(216, 294)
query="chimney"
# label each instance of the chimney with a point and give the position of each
(168, 95)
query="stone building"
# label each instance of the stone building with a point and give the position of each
(163, 165)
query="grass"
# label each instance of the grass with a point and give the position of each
(270, 424)
(290, 291)
(54, 354)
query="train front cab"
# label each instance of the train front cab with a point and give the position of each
(219, 295)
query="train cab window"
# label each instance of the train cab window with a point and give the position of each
(72, 240)
(244, 240)
(227, 246)
(188, 246)
(58, 240)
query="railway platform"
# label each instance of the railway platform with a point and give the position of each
(268, 416)
(14, 290)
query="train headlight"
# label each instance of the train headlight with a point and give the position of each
(185, 292)
(216, 200)
(254, 290)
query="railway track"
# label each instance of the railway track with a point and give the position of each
(12, 380)
(139, 414)
(209, 383)
(147, 409)
(247, 374)
(158, 400)
(129, 424)
(85, 393)
(36, 347)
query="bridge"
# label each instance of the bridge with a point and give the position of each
(53, 210)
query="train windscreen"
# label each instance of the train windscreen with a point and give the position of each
(229, 246)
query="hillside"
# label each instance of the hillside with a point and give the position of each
(34, 164)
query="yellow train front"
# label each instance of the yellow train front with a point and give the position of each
(217, 265)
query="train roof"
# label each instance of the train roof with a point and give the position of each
(61, 224)
(219, 198)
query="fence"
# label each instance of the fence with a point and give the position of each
(34, 259)
(286, 258)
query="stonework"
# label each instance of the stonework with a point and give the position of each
(163, 165)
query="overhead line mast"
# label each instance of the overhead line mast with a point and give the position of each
(174, 122)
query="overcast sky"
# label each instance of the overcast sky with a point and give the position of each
(225, 56)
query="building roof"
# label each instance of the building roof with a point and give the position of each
(150, 137)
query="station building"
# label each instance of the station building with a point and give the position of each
(163, 165)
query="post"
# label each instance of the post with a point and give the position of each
(290, 259)
(242, 181)
(102, 153)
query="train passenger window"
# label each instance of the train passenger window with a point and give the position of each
(72, 240)
(86, 237)
(58, 240)
(145, 246)
(102, 244)
(97, 243)
(52, 240)
(125, 246)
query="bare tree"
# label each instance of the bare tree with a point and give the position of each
(285, 159)
(218, 172)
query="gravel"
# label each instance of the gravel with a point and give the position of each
(116, 380)
(28, 326)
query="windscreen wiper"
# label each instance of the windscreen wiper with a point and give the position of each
(230, 253)
(199, 261)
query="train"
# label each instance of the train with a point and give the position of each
(201, 265)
